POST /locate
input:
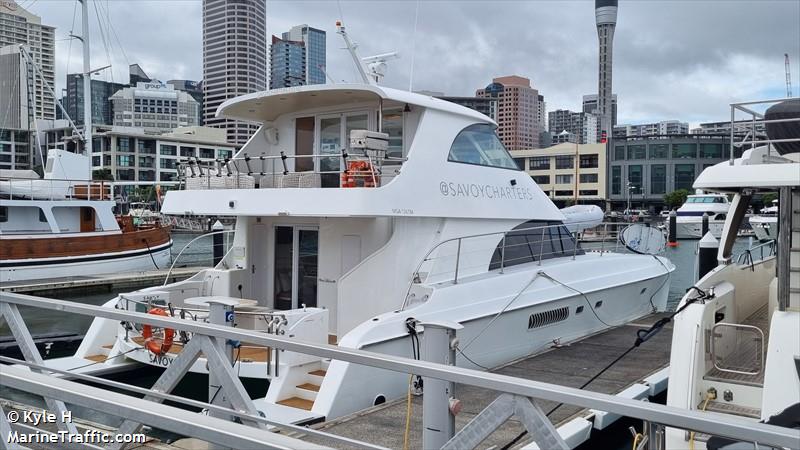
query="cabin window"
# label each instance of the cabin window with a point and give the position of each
(533, 241)
(392, 124)
(42, 216)
(3, 213)
(478, 144)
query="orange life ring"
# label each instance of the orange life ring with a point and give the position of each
(152, 344)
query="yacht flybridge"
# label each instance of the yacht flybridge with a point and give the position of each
(362, 210)
(736, 342)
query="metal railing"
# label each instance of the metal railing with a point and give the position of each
(739, 350)
(210, 336)
(481, 253)
(55, 189)
(764, 250)
(753, 138)
(274, 171)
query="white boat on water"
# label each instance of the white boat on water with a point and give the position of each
(63, 225)
(690, 215)
(765, 223)
(359, 208)
(738, 330)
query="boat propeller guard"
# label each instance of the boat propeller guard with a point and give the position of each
(155, 347)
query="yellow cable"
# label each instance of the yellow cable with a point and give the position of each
(636, 440)
(408, 414)
(691, 435)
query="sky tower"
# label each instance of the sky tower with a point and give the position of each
(605, 13)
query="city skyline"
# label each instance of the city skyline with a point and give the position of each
(668, 64)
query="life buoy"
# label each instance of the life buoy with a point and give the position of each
(359, 174)
(152, 344)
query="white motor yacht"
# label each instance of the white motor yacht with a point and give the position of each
(690, 215)
(736, 340)
(359, 208)
(765, 223)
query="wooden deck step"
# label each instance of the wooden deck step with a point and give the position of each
(308, 387)
(297, 402)
(318, 372)
(96, 358)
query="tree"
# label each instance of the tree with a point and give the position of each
(676, 198)
(768, 198)
(102, 175)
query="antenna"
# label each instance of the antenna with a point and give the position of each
(322, 69)
(377, 64)
(375, 68)
(351, 47)
(788, 76)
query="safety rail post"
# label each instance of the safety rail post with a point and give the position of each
(438, 421)
(458, 259)
(503, 253)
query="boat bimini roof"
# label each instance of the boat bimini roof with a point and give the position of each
(757, 169)
(267, 106)
(450, 162)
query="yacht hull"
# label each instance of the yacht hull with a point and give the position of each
(86, 265)
(693, 229)
(497, 337)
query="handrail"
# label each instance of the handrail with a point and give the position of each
(610, 230)
(737, 428)
(738, 326)
(746, 256)
(175, 261)
(751, 136)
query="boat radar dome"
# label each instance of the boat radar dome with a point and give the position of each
(787, 109)
(605, 11)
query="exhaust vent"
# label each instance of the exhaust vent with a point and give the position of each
(544, 318)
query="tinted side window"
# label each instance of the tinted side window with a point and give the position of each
(532, 241)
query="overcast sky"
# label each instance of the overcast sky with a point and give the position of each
(682, 60)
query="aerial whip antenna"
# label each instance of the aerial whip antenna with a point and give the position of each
(788, 76)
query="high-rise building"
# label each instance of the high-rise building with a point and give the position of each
(297, 58)
(520, 109)
(102, 109)
(193, 88)
(15, 116)
(590, 106)
(155, 107)
(605, 12)
(234, 59)
(485, 106)
(18, 26)
(137, 75)
(663, 128)
(580, 127)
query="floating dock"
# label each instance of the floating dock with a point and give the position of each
(99, 283)
(637, 375)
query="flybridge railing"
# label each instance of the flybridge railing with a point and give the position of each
(753, 137)
(55, 189)
(365, 169)
(764, 250)
(208, 340)
(455, 258)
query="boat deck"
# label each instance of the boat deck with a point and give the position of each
(570, 365)
(113, 281)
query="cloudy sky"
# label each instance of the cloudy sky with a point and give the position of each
(682, 60)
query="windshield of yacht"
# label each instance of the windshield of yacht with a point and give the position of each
(705, 200)
(479, 144)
